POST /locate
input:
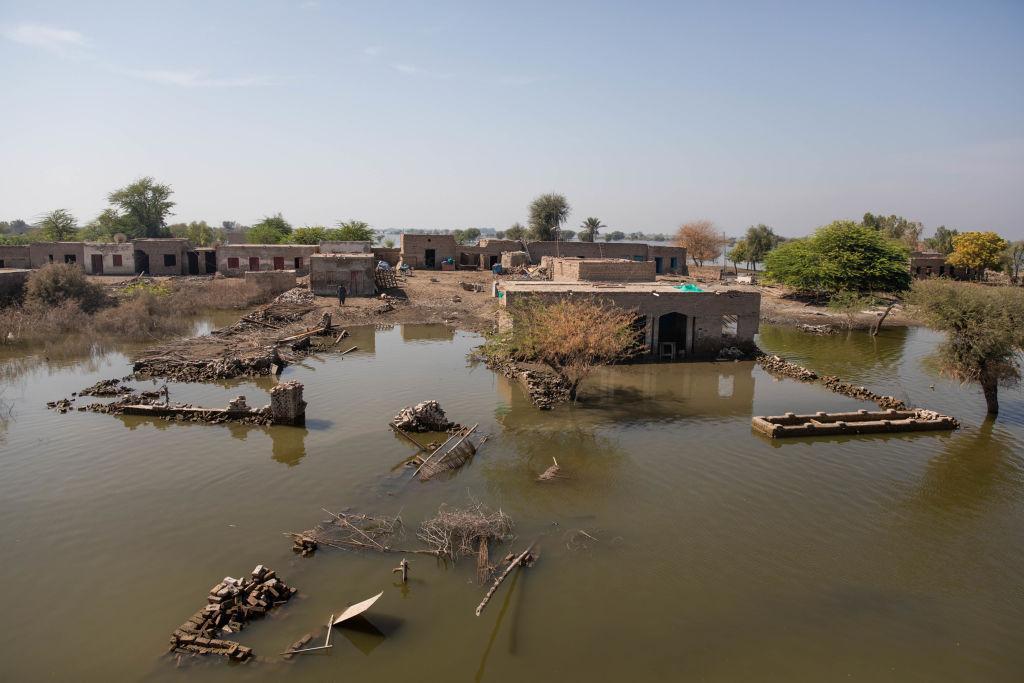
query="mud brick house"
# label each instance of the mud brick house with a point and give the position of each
(45, 253)
(355, 271)
(346, 247)
(236, 259)
(427, 251)
(672, 324)
(108, 258)
(161, 256)
(600, 270)
(15, 256)
(925, 264)
(666, 259)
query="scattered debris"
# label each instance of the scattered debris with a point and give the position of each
(778, 366)
(357, 609)
(457, 532)
(452, 454)
(403, 569)
(525, 559)
(106, 387)
(427, 416)
(816, 329)
(348, 532)
(230, 605)
(551, 472)
(860, 422)
(732, 353)
(544, 387)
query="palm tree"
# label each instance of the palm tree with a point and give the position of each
(591, 226)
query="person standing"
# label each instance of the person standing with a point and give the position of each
(342, 293)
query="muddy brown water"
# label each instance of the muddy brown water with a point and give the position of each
(721, 556)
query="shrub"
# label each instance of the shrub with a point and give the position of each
(57, 283)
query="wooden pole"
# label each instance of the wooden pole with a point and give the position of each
(330, 624)
(508, 570)
(308, 649)
(347, 350)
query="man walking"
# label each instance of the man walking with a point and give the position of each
(342, 292)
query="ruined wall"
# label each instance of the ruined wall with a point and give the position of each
(601, 270)
(346, 247)
(44, 253)
(236, 259)
(514, 259)
(390, 255)
(711, 273)
(355, 271)
(12, 284)
(161, 256)
(414, 249)
(274, 281)
(114, 259)
(924, 264)
(15, 256)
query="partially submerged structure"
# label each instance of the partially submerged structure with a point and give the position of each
(673, 322)
(860, 422)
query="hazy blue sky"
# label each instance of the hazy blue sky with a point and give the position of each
(443, 114)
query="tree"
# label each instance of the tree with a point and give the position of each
(977, 251)
(200, 234)
(760, 240)
(310, 234)
(841, 256)
(58, 226)
(701, 240)
(354, 231)
(1015, 259)
(614, 236)
(895, 228)
(389, 244)
(590, 227)
(572, 336)
(515, 232)
(271, 230)
(942, 242)
(56, 283)
(740, 253)
(104, 227)
(467, 236)
(984, 329)
(144, 205)
(567, 235)
(547, 214)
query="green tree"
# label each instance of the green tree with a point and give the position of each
(271, 230)
(614, 236)
(199, 234)
(895, 228)
(58, 226)
(740, 253)
(547, 214)
(104, 227)
(984, 329)
(977, 251)
(144, 206)
(516, 232)
(355, 231)
(760, 240)
(841, 256)
(389, 244)
(590, 227)
(942, 241)
(5, 227)
(467, 236)
(310, 234)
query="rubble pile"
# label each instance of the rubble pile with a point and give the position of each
(230, 604)
(296, 295)
(106, 387)
(545, 388)
(427, 416)
(778, 366)
(305, 545)
(816, 329)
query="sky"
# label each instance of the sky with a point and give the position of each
(456, 114)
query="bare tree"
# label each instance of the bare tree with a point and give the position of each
(701, 240)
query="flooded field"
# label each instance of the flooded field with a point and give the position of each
(720, 555)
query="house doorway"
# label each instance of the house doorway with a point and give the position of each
(97, 263)
(210, 257)
(141, 261)
(430, 258)
(193, 263)
(672, 336)
(279, 263)
(659, 265)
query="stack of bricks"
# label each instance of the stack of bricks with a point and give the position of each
(231, 603)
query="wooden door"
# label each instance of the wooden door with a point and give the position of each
(279, 263)
(97, 264)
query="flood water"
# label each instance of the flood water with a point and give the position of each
(720, 555)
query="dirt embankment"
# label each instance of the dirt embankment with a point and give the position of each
(261, 340)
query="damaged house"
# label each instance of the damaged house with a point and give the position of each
(355, 271)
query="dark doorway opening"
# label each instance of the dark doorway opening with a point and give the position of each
(97, 263)
(659, 265)
(672, 336)
(430, 258)
(493, 259)
(193, 263)
(141, 262)
(254, 263)
(210, 257)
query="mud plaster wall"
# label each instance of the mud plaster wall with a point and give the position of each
(266, 253)
(355, 271)
(40, 253)
(107, 250)
(15, 256)
(414, 249)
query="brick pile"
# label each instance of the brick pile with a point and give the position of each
(230, 604)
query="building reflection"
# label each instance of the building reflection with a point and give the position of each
(414, 333)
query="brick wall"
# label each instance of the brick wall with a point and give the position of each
(43, 253)
(414, 249)
(237, 259)
(15, 256)
(355, 271)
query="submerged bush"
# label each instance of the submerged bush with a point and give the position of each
(57, 283)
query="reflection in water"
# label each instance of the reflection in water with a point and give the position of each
(411, 333)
